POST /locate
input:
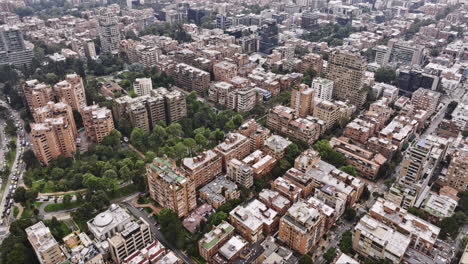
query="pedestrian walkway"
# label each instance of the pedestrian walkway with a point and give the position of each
(154, 208)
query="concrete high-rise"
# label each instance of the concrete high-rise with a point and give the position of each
(72, 91)
(55, 110)
(13, 49)
(109, 32)
(98, 122)
(169, 186)
(89, 48)
(457, 174)
(323, 88)
(143, 86)
(37, 94)
(44, 244)
(52, 138)
(346, 70)
(302, 100)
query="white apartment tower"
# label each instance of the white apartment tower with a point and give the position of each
(143, 86)
(323, 88)
(109, 32)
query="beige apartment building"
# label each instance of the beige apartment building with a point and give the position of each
(235, 146)
(98, 122)
(191, 79)
(134, 236)
(426, 100)
(143, 86)
(203, 168)
(224, 71)
(37, 94)
(253, 219)
(346, 70)
(240, 173)
(457, 174)
(284, 120)
(301, 228)
(55, 110)
(169, 186)
(72, 91)
(256, 133)
(52, 138)
(44, 244)
(302, 100)
(213, 240)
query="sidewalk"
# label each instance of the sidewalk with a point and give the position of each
(154, 208)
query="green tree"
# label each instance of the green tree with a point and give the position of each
(350, 169)
(67, 198)
(201, 140)
(238, 120)
(180, 150)
(20, 195)
(349, 214)
(385, 75)
(306, 259)
(229, 126)
(216, 218)
(137, 136)
(330, 255)
(113, 139)
(365, 194)
(191, 144)
(346, 243)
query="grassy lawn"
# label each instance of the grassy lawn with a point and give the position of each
(124, 191)
(64, 228)
(38, 204)
(15, 211)
(148, 210)
(48, 186)
(54, 207)
(27, 213)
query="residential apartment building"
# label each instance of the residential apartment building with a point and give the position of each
(191, 79)
(331, 112)
(302, 100)
(284, 120)
(414, 165)
(89, 48)
(311, 61)
(52, 138)
(152, 253)
(203, 168)
(170, 187)
(323, 88)
(426, 100)
(374, 239)
(286, 188)
(55, 110)
(256, 133)
(235, 146)
(219, 191)
(253, 219)
(346, 70)
(37, 94)
(142, 86)
(423, 235)
(224, 71)
(13, 49)
(276, 146)
(213, 240)
(366, 162)
(240, 173)
(72, 91)
(301, 228)
(274, 200)
(44, 244)
(134, 236)
(109, 32)
(98, 122)
(457, 174)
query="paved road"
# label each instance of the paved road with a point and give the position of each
(15, 116)
(159, 236)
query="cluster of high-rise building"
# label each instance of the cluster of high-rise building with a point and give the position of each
(152, 106)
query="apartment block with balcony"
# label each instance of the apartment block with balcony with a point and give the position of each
(256, 133)
(423, 235)
(235, 146)
(134, 237)
(98, 122)
(240, 173)
(274, 200)
(37, 94)
(203, 168)
(332, 112)
(44, 244)
(224, 71)
(219, 191)
(72, 91)
(142, 86)
(457, 174)
(286, 188)
(169, 186)
(302, 227)
(366, 162)
(260, 162)
(213, 240)
(191, 79)
(426, 99)
(283, 120)
(374, 239)
(253, 219)
(55, 110)
(323, 88)
(302, 100)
